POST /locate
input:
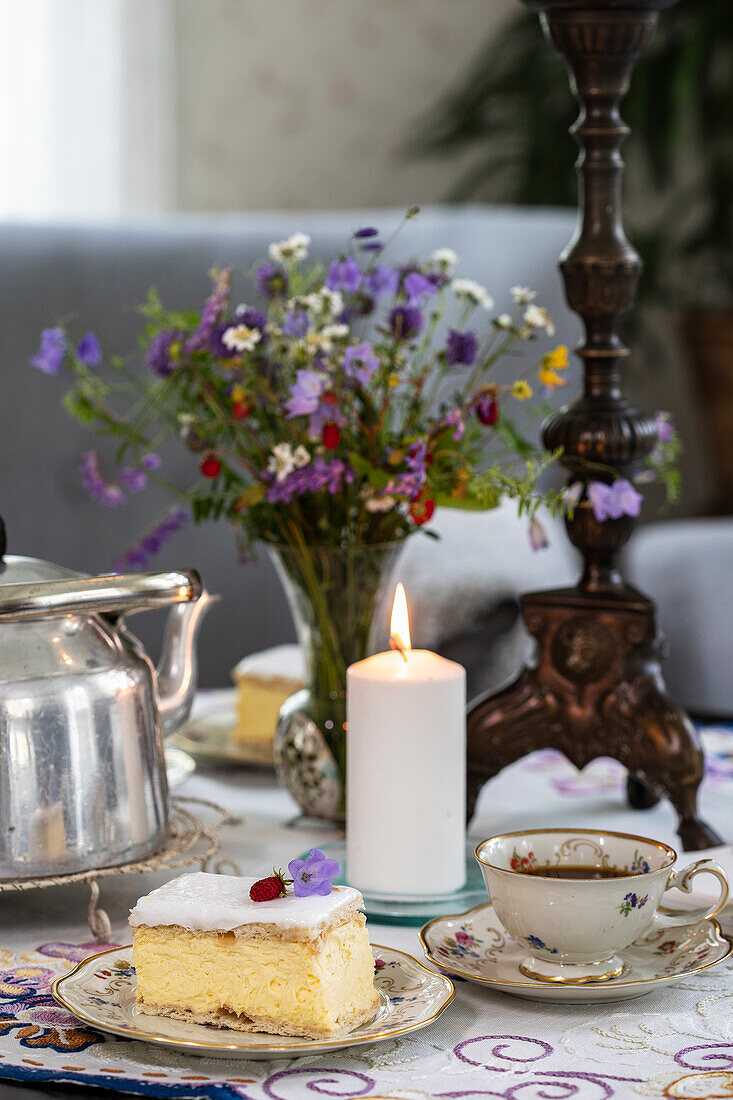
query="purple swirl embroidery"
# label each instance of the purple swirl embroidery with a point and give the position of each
(498, 1050)
(344, 1083)
(721, 1060)
(573, 1084)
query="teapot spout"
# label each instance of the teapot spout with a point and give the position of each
(178, 669)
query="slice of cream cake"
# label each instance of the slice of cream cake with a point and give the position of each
(264, 681)
(207, 953)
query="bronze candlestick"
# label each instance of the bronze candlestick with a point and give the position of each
(597, 688)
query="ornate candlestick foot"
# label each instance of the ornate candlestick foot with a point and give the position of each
(596, 691)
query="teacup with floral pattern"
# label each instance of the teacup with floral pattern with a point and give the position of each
(575, 928)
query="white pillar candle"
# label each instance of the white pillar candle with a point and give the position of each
(406, 771)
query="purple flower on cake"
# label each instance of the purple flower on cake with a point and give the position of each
(89, 351)
(360, 362)
(613, 501)
(304, 393)
(314, 874)
(50, 355)
(344, 275)
(462, 348)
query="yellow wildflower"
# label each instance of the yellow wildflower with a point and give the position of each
(521, 390)
(557, 359)
(238, 393)
(550, 377)
(396, 458)
(393, 380)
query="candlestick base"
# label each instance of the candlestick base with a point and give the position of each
(383, 909)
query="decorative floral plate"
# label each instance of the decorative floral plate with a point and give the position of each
(101, 992)
(474, 945)
(210, 737)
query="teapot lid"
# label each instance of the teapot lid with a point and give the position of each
(16, 569)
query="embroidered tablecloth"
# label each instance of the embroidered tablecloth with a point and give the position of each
(677, 1042)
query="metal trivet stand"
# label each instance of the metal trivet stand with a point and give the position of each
(189, 842)
(597, 688)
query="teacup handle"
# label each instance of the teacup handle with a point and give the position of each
(683, 881)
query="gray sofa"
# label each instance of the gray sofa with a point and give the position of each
(97, 274)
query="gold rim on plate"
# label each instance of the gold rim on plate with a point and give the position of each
(533, 984)
(298, 1045)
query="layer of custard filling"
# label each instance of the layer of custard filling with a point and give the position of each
(320, 984)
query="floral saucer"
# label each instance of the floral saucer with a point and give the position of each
(101, 992)
(474, 945)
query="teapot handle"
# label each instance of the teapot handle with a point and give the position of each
(126, 593)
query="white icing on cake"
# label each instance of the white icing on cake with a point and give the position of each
(279, 662)
(203, 902)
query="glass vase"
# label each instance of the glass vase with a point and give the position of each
(337, 597)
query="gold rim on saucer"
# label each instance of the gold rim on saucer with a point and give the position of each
(560, 979)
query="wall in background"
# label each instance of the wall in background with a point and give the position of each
(293, 104)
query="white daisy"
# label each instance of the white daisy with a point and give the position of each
(241, 338)
(444, 258)
(283, 460)
(522, 295)
(538, 317)
(504, 321)
(295, 248)
(377, 504)
(301, 457)
(474, 292)
(324, 301)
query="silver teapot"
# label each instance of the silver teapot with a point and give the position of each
(83, 713)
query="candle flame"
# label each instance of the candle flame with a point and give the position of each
(399, 626)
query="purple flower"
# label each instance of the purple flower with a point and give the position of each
(211, 313)
(164, 353)
(318, 474)
(252, 318)
(217, 345)
(296, 323)
(613, 501)
(313, 875)
(133, 479)
(271, 280)
(410, 483)
(665, 427)
(344, 275)
(137, 558)
(105, 492)
(367, 231)
(151, 461)
(50, 356)
(405, 322)
(538, 539)
(418, 288)
(304, 393)
(372, 246)
(89, 350)
(360, 363)
(462, 348)
(454, 419)
(382, 280)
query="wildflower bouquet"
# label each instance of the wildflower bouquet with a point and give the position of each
(329, 414)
